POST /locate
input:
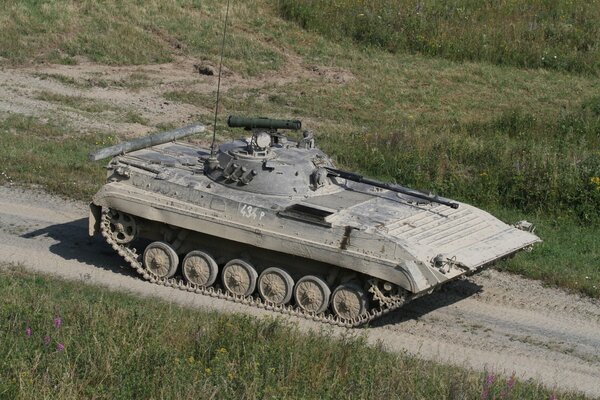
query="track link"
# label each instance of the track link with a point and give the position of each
(131, 256)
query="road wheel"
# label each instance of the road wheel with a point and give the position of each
(275, 286)
(160, 259)
(199, 268)
(349, 301)
(239, 277)
(312, 294)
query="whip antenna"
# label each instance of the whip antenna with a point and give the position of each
(212, 146)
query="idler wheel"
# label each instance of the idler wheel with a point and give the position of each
(199, 268)
(239, 277)
(122, 227)
(312, 294)
(160, 259)
(275, 286)
(349, 301)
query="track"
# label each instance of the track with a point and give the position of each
(132, 257)
(496, 321)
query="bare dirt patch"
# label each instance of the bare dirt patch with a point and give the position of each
(137, 91)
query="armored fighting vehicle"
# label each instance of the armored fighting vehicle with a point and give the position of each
(271, 222)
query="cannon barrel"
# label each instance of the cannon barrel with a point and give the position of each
(146, 141)
(264, 123)
(390, 186)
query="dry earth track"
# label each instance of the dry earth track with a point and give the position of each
(23, 90)
(494, 320)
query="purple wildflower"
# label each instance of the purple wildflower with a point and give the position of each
(28, 331)
(57, 322)
(46, 340)
(60, 347)
(553, 396)
(489, 380)
(511, 381)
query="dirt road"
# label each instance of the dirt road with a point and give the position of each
(494, 320)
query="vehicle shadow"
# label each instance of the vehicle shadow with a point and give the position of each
(450, 293)
(74, 243)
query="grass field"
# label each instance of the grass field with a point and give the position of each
(43, 153)
(70, 341)
(562, 35)
(524, 142)
(156, 31)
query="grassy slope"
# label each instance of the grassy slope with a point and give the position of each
(118, 346)
(503, 138)
(560, 34)
(156, 31)
(43, 153)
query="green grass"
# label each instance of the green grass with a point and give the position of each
(65, 80)
(50, 155)
(133, 117)
(134, 81)
(77, 102)
(155, 32)
(92, 106)
(189, 97)
(561, 34)
(118, 346)
(516, 159)
(568, 256)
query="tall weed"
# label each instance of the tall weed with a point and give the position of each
(517, 160)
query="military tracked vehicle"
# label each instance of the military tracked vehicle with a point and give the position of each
(269, 221)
